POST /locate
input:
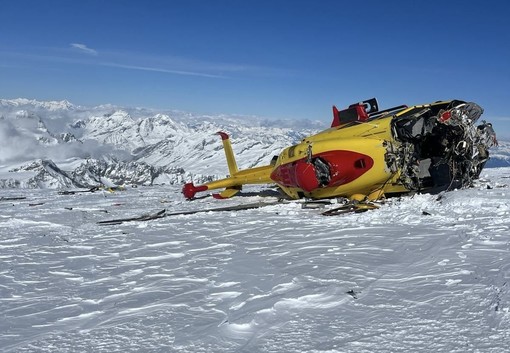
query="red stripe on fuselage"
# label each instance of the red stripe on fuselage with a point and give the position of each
(344, 167)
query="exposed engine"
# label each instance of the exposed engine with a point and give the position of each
(440, 146)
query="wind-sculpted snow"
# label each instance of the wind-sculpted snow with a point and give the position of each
(180, 146)
(425, 273)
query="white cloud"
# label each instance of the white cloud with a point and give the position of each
(168, 64)
(168, 71)
(83, 48)
(500, 118)
(18, 144)
(13, 145)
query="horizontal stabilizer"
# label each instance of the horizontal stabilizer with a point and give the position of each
(227, 193)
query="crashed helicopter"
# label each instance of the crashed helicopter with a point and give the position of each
(368, 154)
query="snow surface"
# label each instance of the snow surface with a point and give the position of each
(424, 273)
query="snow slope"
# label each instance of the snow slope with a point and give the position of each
(426, 273)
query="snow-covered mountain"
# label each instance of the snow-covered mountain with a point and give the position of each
(58, 144)
(34, 104)
(500, 155)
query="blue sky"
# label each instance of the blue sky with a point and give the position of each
(277, 59)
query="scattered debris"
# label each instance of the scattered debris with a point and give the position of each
(12, 198)
(352, 293)
(351, 207)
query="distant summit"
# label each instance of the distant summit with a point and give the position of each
(34, 104)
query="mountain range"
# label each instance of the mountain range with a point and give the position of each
(56, 144)
(61, 145)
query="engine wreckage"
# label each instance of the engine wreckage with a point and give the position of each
(440, 146)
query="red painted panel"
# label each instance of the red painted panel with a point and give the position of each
(344, 167)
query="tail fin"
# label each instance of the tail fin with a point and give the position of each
(237, 178)
(231, 160)
(336, 117)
